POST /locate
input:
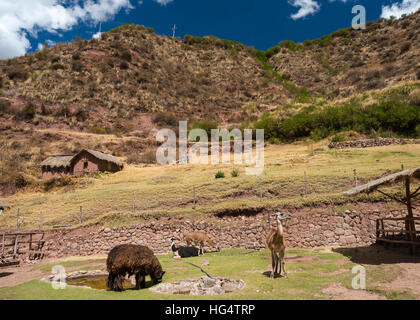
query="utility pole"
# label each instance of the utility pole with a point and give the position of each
(174, 30)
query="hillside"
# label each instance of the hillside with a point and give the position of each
(351, 61)
(113, 93)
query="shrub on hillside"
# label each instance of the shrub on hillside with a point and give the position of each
(415, 97)
(28, 111)
(234, 173)
(289, 44)
(270, 126)
(56, 66)
(17, 73)
(124, 65)
(77, 66)
(206, 125)
(55, 59)
(220, 175)
(125, 55)
(76, 55)
(405, 47)
(81, 115)
(4, 106)
(338, 138)
(165, 119)
(393, 116)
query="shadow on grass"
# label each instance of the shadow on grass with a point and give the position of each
(377, 254)
(268, 274)
(5, 274)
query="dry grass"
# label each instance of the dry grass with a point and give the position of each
(168, 190)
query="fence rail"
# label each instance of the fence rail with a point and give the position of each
(18, 245)
(387, 234)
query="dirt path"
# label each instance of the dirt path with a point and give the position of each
(13, 276)
(410, 279)
(337, 291)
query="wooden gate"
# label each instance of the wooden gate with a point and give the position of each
(19, 246)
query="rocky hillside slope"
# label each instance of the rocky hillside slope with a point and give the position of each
(351, 61)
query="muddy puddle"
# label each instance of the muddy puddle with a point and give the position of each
(95, 282)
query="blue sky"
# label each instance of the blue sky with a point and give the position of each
(25, 24)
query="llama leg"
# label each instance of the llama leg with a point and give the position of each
(110, 281)
(277, 268)
(283, 264)
(140, 281)
(118, 283)
(273, 264)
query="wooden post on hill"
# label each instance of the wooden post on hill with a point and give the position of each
(133, 203)
(305, 182)
(355, 177)
(40, 221)
(81, 215)
(17, 220)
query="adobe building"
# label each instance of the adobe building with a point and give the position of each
(86, 161)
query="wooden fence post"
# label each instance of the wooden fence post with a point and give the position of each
(17, 220)
(4, 239)
(40, 220)
(81, 215)
(355, 177)
(194, 198)
(133, 203)
(306, 182)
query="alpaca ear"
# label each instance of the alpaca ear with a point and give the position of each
(163, 272)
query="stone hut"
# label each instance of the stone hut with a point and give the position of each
(86, 161)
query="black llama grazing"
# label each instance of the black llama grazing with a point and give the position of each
(184, 252)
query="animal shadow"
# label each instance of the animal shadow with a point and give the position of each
(5, 274)
(268, 274)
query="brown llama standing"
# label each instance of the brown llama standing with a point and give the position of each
(132, 259)
(200, 238)
(277, 245)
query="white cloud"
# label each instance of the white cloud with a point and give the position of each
(18, 18)
(97, 35)
(163, 2)
(306, 7)
(399, 8)
(50, 43)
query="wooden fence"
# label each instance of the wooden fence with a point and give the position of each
(20, 245)
(398, 233)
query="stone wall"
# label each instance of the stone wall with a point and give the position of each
(372, 143)
(307, 228)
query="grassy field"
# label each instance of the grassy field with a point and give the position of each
(168, 190)
(310, 274)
